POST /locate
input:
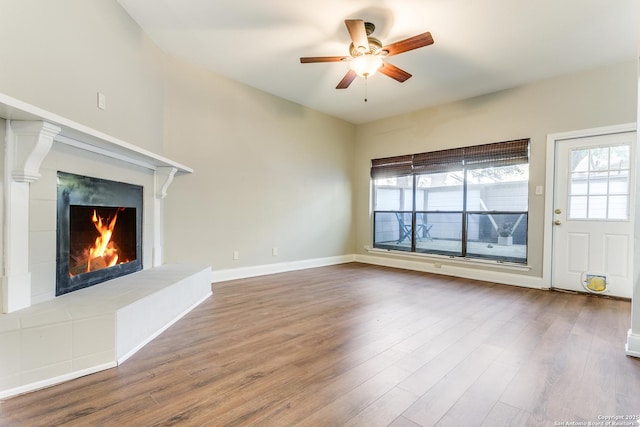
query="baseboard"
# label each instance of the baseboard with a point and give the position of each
(281, 267)
(26, 388)
(415, 265)
(632, 348)
(506, 278)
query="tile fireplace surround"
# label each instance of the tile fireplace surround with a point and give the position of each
(46, 339)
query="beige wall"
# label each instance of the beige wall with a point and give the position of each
(58, 54)
(268, 173)
(600, 97)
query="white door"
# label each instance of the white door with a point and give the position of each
(592, 214)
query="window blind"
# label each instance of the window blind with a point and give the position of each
(438, 161)
(392, 166)
(497, 154)
(487, 155)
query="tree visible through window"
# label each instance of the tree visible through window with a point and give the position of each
(468, 202)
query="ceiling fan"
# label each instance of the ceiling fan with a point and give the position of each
(367, 53)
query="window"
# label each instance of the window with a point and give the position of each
(599, 184)
(467, 202)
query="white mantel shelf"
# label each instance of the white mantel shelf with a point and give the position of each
(86, 138)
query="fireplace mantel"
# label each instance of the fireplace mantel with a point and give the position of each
(31, 133)
(83, 137)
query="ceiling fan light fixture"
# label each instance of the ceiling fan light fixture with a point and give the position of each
(365, 65)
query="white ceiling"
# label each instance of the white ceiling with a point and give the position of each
(481, 46)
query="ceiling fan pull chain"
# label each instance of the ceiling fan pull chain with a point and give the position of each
(365, 88)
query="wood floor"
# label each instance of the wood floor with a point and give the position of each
(359, 345)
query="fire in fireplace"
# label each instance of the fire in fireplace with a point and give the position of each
(100, 237)
(99, 231)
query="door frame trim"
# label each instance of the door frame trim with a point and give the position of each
(552, 141)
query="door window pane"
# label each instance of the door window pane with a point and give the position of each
(597, 207)
(598, 183)
(599, 159)
(579, 160)
(578, 207)
(579, 185)
(619, 182)
(619, 159)
(618, 207)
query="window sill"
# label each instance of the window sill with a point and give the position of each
(437, 259)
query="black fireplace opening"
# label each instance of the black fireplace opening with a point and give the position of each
(99, 231)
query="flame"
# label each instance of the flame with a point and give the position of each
(103, 246)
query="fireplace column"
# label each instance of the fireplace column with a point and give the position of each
(163, 178)
(27, 143)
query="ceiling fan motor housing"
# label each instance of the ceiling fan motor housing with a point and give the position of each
(375, 46)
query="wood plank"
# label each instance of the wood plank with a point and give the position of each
(440, 398)
(478, 401)
(385, 410)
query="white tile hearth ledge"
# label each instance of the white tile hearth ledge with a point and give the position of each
(95, 328)
(46, 340)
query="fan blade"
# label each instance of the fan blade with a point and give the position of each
(310, 59)
(394, 72)
(411, 43)
(347, 79)
(358, 34)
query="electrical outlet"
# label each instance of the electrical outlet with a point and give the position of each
(236, 255)
(274, 251)
(102, 101)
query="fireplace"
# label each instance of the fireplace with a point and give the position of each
(99, 231)
(45, 340)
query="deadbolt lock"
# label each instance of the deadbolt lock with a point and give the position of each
(557, 211)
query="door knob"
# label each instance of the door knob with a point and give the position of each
(557, 222)
(557, 211)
